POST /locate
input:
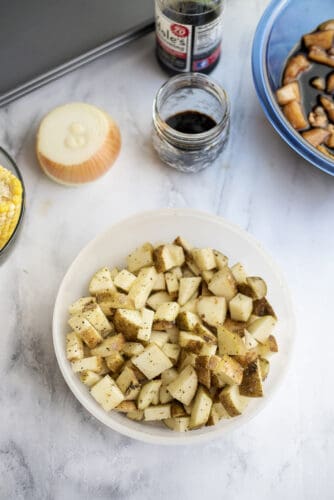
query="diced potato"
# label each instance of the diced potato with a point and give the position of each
(113, 272)
(164, 395)
(239, 273)
(240, 307)
(74, 347)
(107, 394)
(144, 333)
(141, 257)
(251, 385)
(167, 312)
(132, 349)
(157, 299)
(126, 407)
(109, 345)
(142, 286)
(85, 331)
(124, 280)
(101, 282)
(168, 256)
(140, 376)
(159, 338)
(190, 306)
(230, 343)
(264, 368)
(184, 387)
(217, 413)
(177, 272)
(90, 378)
(294, 113)
(173, 335)
(147, 393)
(235, 326)
(262, 307)
(247, 359)
(205, 333)
(207, 276)
(160, 283)
(128, 383)
(187, 321)
(137, 415)
(93, 363)
(188, 286)
(262, 328)
(201, 409)
(152, 361)
(182, 242)
(204, 258)
(212, 310)
(190, 341)
(232, 401)
(81, 304)
(221, 259)
(172, 351)
(208, 350)
(128, 322)
(249, 340)
(228, 371)
(158, 412)
(186, 358)
(114, 362)
(180, 424)
(258, 286)
(193, 268)
(98, 320)
(115, 300)
(223, 284)
(187, 273)
(172, 284)
(287, 93)
(268, 347)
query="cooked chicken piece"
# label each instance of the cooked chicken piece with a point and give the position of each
(316, 136)
(322, 39)
(327, 25)
(318, 117)
(321, 56)
(288, 93)
(293, 111)
(328, 104)
(318, 83)
(330, 83)
(295, 66)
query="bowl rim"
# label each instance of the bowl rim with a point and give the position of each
(188, 437)
(20, 219)
(267, 98)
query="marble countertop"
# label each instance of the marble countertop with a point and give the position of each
(50, 447)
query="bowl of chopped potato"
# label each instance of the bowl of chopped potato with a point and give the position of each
(173, 327)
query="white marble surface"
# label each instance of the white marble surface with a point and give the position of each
(50, 448)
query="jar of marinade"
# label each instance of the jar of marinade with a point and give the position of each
(188, 34)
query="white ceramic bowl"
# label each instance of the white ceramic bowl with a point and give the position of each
(111, 248)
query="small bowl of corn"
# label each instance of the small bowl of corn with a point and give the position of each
(12, 196)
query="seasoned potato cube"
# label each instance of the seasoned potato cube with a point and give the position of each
(184, 387)
(158, 412)
(93, 363)
(142, 286)
(261, 307)
(223, 284)
(172, 284)
(177, 254)
(159, 338)
(137, 415)
(221, 259)
(179, 424)
(168, 256)
(208, 350)
(193, 268)
(115, 300)
(141, 257)
(190, 341)
(81, 304)
(258, 286)
(205, 333)
(217, 413)
(160, 283)
(113, 272)
(201, 409)
(156, 299)
(207, 276)
(240, 307)
(190, 306)
(239, 273)
(232, 401)
(262, 328)
(74, 347)
(204, 258)
(101, 282)
(264, 368)
(251, 385)
(114, 361)
(235, 326)
(173, 335)
(128, 383)
(248, 358)
(249, 340)
(186, 358)
(90, 378)
(128, 322)
(144, 333)
(230, 343)
(126, 407)
(85, 330)
(188, 286)
(228, 371)
(107, 394)
(97, 319)
(182, 242)
(268, 347)
(167, 312)
(212, 310)
(177, 410)
(132, 349)
(147, 394)
(124, 280)
(109, 345)
(177, 272)
(172, 351)
(187, 321)
(164, 395)
(152, 361)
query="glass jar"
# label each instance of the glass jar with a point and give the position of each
(191, 95)
(188, 34)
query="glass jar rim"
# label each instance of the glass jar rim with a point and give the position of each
(219, 5)
(191, 80)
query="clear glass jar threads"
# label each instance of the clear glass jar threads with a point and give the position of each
(191, 118)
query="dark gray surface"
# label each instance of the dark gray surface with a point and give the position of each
(42, 39)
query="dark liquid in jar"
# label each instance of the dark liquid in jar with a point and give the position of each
(191, 122)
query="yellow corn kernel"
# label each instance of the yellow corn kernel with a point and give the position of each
(10, 204)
